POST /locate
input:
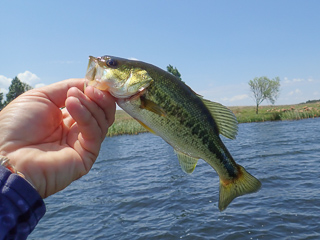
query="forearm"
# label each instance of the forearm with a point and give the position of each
(21, 207)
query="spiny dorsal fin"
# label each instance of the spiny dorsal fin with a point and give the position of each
(187, 163)
(224, 117)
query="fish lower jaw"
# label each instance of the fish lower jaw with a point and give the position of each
(99, 85)
(128, 97)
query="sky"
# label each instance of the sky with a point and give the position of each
(217, 46)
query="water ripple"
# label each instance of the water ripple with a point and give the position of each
(136, 190)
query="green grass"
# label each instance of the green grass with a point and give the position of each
(248, 114)
(124, 124)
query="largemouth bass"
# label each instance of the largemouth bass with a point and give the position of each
(167, 107)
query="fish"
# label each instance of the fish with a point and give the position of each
(167, 107)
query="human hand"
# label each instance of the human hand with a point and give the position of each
(52, 146)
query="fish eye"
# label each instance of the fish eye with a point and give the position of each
(111, 62)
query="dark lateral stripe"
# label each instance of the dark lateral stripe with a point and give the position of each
(185, 116)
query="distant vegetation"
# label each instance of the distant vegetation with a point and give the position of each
(124, 124)
(174, 71)
(275, 113)
(264, 88)
(1, 99)
(312, 101)
(15, 89)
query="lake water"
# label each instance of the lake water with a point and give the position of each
(136, 190)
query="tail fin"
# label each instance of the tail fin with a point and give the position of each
(244, 184)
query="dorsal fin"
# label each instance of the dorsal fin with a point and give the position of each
(224, 117)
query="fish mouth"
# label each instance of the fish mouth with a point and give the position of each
(95, 76)
(95, 72)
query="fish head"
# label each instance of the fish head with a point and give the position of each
(123, 78)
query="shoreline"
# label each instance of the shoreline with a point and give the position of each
(124, 124)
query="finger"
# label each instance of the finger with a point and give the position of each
(106, 102)
(85, 125)
(88, 132)
(67, 119)
(57, 92)
(98, 116)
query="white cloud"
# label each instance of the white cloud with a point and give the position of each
(292, 81)
(292, 91)
(297, 91)
(286, 80)
(4, 82)
(4, 91)
(236, 98)
(28, 77)
(297, 80)
(39, 85)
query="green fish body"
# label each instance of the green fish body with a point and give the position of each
(170, 109)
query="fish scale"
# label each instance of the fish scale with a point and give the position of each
(181, 117)
(167, 107)
(200, 134)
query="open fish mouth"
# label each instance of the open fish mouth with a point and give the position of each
(108, 78)
(95, 72)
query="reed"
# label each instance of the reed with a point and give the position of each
(125, 124)
(129, 126)
(297, 115)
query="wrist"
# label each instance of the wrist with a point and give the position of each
(5, 161)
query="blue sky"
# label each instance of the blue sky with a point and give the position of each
(217, 46)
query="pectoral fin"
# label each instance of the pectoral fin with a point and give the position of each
(151, 106)
(187, 163)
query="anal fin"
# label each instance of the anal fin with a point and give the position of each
(187, 163)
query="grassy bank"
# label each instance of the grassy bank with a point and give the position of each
(276, 113)
(124, 124)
